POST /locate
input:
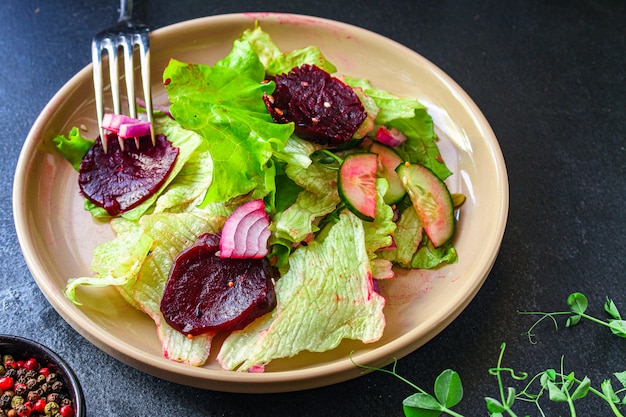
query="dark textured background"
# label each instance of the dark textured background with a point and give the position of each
(549, 77)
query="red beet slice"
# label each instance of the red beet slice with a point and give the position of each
(325, 109)
(119, 180)
(205, 293)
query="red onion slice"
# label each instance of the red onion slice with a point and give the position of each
(390, 137)
(246, 232)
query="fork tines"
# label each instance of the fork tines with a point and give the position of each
(124, 36)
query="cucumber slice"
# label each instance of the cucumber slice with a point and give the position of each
(432, 201)
(389, 161)
(357, 184)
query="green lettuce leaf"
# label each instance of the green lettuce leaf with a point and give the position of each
(429, 257)
(411, 118)
(275, 61)
(224, 104)
(326, 296)
(73, 147)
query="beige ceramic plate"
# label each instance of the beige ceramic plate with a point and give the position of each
(58, 237)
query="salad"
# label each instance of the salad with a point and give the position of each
(341, 212)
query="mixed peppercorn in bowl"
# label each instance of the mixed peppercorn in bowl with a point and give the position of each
(35, 381)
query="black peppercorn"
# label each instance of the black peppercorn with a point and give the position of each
(33, 396)
(56, 386)
(31, 383)
(51, 377)
(5, 399)
(53, 398)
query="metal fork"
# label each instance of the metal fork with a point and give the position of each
(124, 35)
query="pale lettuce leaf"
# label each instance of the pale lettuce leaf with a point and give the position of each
(318, 198)
(116, 262)
(326, 296)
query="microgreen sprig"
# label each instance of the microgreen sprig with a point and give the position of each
(559, 386)
(578, 304)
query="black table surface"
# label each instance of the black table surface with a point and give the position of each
(550, 78)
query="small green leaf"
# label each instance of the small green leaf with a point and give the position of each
(448, 388)
(618, 327)
(555, 392)
(582, 389)
(494, 406)
(421, 405)
(572, 321)
(551, 374)
(510, 399)
(607, 389)
(621, 377)
(611, 309)
(578, 303)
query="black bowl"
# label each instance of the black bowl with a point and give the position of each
(20, 347)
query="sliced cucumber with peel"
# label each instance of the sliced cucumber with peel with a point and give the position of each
(389, 160)
(357, 184)
(432, 201)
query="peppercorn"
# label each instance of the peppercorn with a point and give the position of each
(11, 413)
(31, 383)
(16, 400)
(57, 386)
(51, 377)
(66, 411)
(23, 410)
(20, 389)
(51, 408)
(6, 382)
(53, 397)
(33, 397)
(2, 370)
(5, 399)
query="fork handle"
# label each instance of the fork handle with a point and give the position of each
(128, 12)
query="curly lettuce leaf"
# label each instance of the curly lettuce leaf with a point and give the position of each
(318, 197)
(224, 104)
(326, 296)
(73, 147)
(278, 62)
(116, 262)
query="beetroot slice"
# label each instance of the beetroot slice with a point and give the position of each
(119, 180)
(325, 109)
(205, 293)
